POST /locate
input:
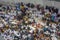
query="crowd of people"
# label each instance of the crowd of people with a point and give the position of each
(29, 22)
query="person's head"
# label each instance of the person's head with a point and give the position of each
(21, 3)
(42, 32)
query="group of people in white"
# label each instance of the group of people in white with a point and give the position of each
(29, 23)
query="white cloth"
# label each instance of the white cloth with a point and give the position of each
(1, 25)
(16, 33)
(54, 38)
